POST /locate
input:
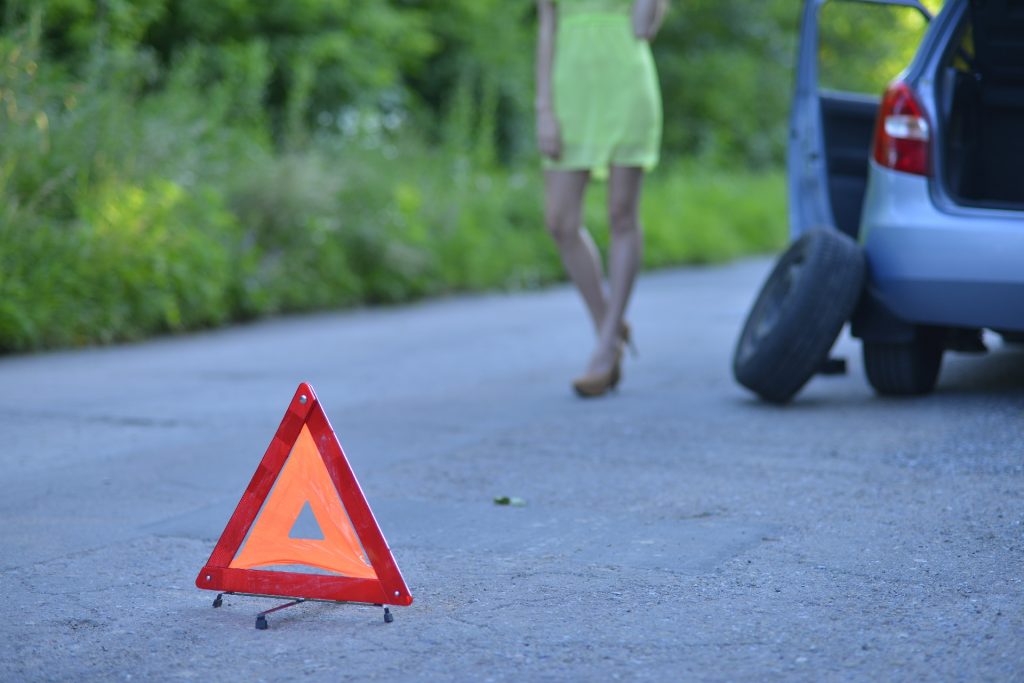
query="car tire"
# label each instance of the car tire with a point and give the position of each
(810, 293)
(907, 368)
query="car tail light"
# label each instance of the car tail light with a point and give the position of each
(902, 131)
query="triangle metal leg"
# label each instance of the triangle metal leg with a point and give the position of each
(261, 618)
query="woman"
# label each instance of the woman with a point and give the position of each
(598, 113)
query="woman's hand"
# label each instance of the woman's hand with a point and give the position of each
(549, 138)
(647, 18)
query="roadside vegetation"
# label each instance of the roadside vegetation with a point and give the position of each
(169, 165)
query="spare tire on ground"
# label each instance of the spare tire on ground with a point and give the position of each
(809, 296)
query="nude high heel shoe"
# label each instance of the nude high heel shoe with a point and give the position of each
(596, 384)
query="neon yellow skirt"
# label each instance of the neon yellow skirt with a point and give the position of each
(605, 88)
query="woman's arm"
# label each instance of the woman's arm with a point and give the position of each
(647, 17)
(548, 136)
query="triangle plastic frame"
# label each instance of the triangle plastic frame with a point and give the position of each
(387, 589)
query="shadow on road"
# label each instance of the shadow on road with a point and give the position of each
(1001, 371)
(997, 374)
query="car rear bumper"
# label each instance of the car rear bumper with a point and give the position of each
(928, 266)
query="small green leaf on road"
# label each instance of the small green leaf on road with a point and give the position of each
(510, 500)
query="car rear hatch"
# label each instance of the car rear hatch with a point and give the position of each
(981, 98)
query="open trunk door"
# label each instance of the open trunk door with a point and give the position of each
(848, 51)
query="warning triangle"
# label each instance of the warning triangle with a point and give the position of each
(304, 472)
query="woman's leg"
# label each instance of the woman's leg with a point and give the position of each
(624, 187)
(563, 215)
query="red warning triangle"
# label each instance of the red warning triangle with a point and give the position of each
(305, 465)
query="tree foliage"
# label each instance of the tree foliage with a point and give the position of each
(725, 65)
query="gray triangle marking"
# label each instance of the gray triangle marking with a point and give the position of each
(306, 526)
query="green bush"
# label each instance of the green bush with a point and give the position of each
(695, 214)
(137, 199)
(138, 260)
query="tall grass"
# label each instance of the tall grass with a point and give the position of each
(135, 202)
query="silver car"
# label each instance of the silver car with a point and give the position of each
(928, 179)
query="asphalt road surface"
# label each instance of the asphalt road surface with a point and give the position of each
(677, 530)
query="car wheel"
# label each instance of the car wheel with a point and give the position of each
(809, 295)
(904, 369)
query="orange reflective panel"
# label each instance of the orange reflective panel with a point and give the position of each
(304, 479)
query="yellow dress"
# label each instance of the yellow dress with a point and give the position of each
(605, 89)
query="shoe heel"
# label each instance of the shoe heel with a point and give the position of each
(627, 338)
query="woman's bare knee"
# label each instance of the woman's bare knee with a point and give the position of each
(563, 206)
(563, 222)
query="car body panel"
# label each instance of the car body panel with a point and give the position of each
(809, 205)
(936, 268)
(931, 261)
